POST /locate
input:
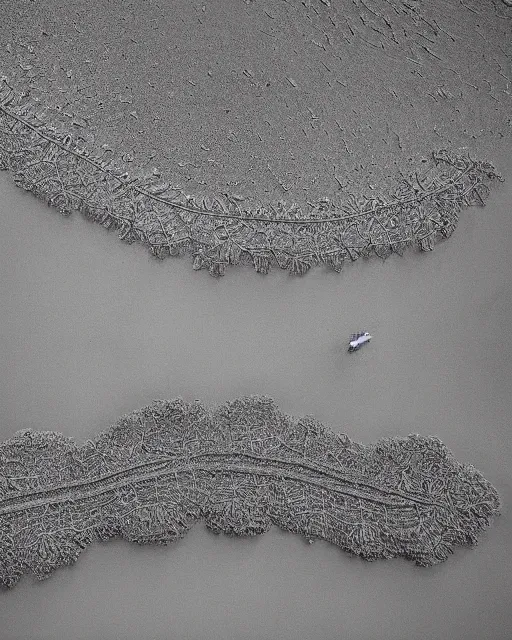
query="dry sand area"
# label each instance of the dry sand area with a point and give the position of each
(270, 101)
(294, 100)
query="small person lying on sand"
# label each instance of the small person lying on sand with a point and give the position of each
(358, 339)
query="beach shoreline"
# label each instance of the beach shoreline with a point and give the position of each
(93, 329)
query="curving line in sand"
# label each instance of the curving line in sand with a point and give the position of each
(241, 467)
(218, 232)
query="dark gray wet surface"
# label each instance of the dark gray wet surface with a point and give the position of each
(92, 329)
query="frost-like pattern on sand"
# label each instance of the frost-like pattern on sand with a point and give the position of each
(218, 232)
(241, 468)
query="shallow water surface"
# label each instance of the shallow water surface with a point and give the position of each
(92, 329)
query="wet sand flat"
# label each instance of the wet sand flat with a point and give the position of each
(92, 329)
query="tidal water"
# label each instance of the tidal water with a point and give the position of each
(92, 328)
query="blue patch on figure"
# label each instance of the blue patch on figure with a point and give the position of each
(358, 339)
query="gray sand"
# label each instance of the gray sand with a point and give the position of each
(93, 329)
(293, 100)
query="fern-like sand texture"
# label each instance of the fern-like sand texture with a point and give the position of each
(217, 232)
(241, 468)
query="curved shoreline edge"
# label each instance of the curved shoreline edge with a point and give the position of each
(218, 232)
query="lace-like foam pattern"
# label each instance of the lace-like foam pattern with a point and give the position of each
(241, 468)
(218, 232)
